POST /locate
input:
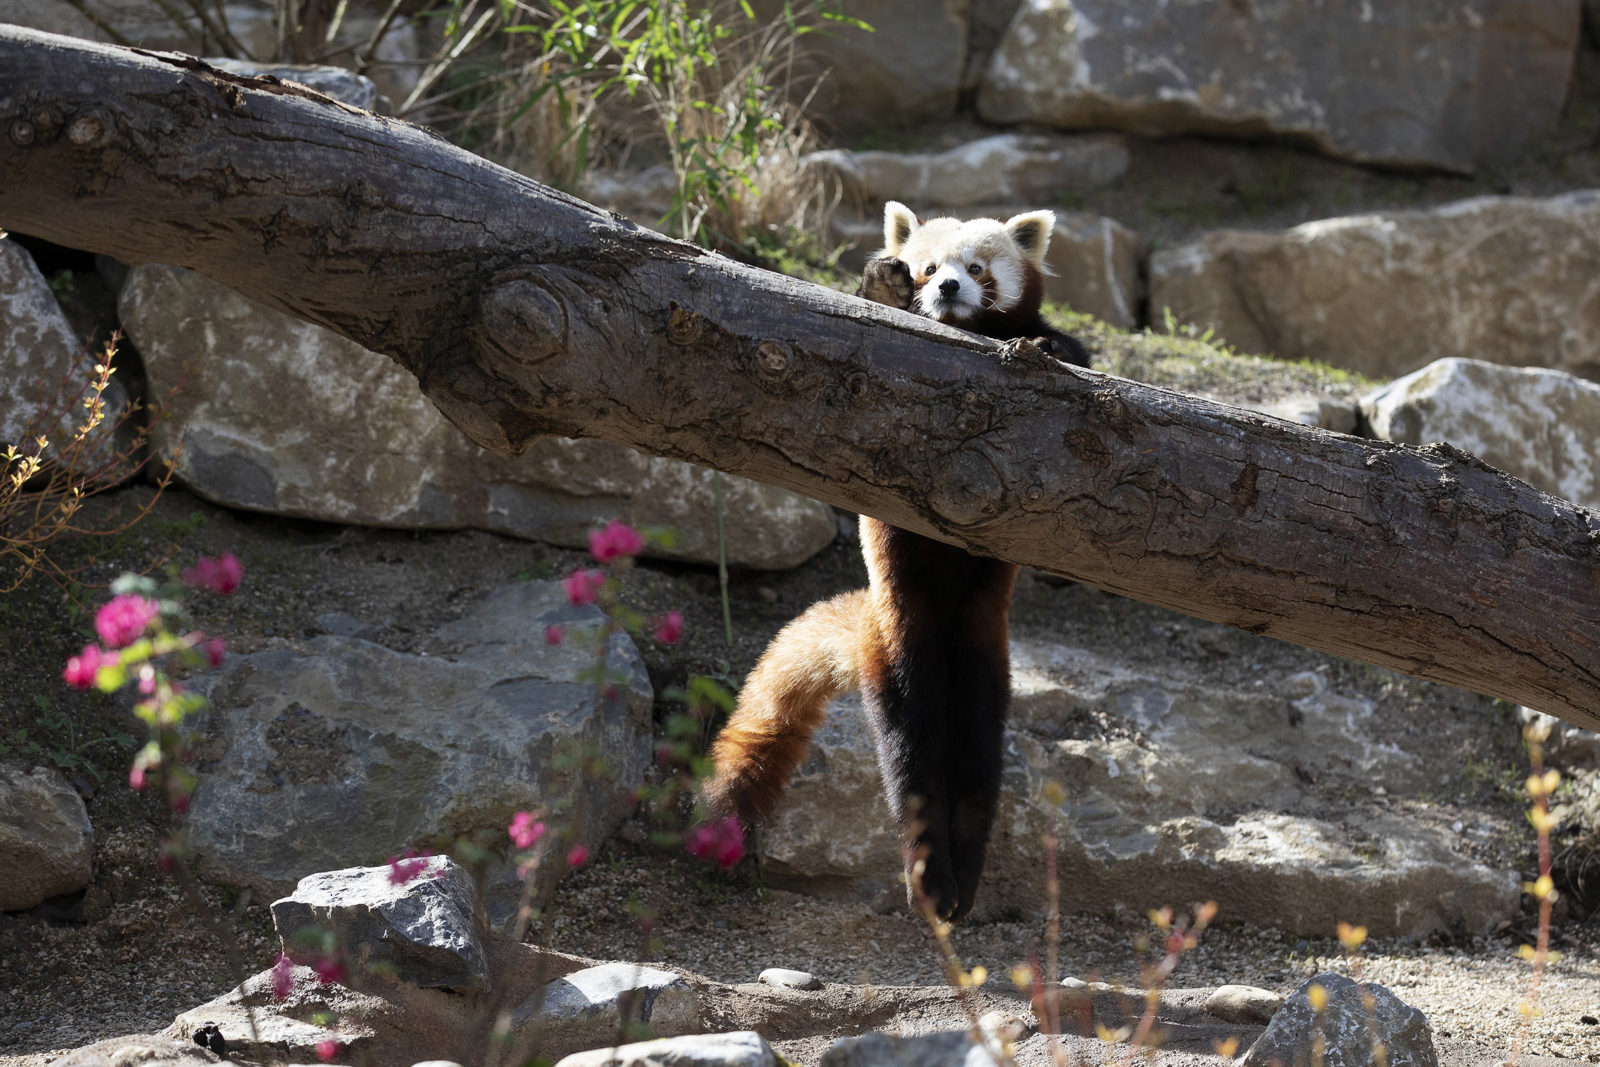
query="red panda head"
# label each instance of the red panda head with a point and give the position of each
(964, 271)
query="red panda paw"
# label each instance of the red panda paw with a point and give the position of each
(1029, 352)
(887, 280)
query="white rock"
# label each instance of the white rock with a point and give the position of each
(585, 1009)
(1541, 425)
(743, 1048)
(787, 979)
(1243, 1004)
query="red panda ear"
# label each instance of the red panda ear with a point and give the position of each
(898, 225)
(1032, 234)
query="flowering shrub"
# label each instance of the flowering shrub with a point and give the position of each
(143, 633)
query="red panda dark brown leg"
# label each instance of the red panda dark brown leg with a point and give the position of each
(937, 691)
(811, 661)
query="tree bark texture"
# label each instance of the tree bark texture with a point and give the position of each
(523, 312)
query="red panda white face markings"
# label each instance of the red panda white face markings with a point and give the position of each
(960, 269)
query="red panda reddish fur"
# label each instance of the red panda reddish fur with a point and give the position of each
(928, 641)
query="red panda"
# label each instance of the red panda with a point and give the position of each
(928, 641)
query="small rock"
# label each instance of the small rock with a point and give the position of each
(430, 929)
(787, 979)
(1348, 1028)
(1008, 1026)
(743, 1048)
(436, 1063)
(1246, 1004)
(586, 1008)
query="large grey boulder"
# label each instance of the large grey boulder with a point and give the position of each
(1433, 83)
(44, 364)
(1354, 1020)
(1210, 802)
(279, 415)
(587, 1009)
(1003, 168)
(422, 921)
(1513, 280)
(336, 752)
(1541, 425)
(46, 842)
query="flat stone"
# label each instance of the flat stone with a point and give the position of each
(586, 1009)
(1136, 829)
(1004, 168)
(743, 1048)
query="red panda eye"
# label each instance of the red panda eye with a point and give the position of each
(930, 268)
(974, 269)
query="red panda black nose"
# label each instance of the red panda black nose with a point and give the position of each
(950, 287)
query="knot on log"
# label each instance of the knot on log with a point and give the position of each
(967, 488)
(89, 130)
(773, 358)
(684, 327)
(524, 319)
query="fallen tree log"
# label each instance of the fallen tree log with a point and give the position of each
(524, 312)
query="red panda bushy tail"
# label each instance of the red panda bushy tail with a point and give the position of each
(812, 660)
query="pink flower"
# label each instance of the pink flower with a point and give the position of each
(124, 619)
(617, 539)
(221, 574)
(669, 627)
(215, 649)
(136, 776)
(578, 856)
(525, 830)
(82, 668)
(329, 969)
(403, 869)
(553, 634)
(327, 1049)
(583, 586)
(721, 840)
(282, 977)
